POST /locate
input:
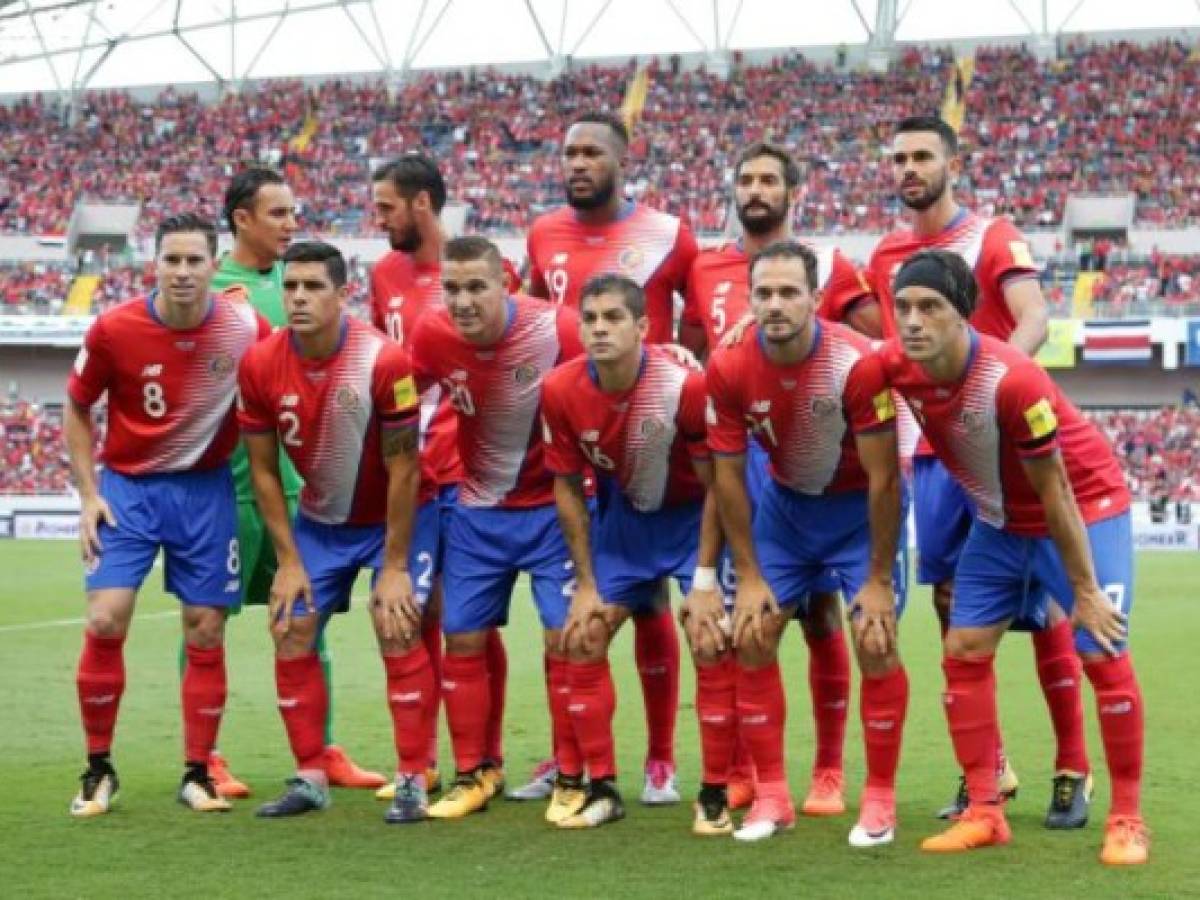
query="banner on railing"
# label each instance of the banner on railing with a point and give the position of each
(1121, 341)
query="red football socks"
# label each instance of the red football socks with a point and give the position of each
(431, 637)
(829, 682)
(567, 753)
(497, 663)
(716, 710)
(303, 702)
(593, 702)
(883, 705)
(1122, 728)
(410, 694)
(203, 693)
(468, 705)
(970, 702)
(762, 714)
(656, 652)
(1061, 675)
(100, 682)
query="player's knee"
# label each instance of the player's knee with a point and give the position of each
(203, 627)
(969, 642)
(874, 664)
(754, 654)
(109, 618)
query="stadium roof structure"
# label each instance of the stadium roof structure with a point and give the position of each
(71, 45)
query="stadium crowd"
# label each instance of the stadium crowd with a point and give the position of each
(34, 454)
(1031, 130)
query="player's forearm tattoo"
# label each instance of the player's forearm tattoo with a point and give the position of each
(398, 441)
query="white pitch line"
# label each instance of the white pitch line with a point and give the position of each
(63, 623)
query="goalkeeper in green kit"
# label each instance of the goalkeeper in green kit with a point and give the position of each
(261, 213)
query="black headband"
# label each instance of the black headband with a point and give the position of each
(928, 271)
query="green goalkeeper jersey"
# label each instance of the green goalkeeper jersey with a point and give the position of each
(262, 289)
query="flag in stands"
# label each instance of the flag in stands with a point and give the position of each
(1116, 341)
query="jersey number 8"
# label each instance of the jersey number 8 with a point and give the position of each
(153, 401)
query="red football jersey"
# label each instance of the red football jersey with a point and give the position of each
(170, 391)
(718, 288)
(993, 248)
(329, 414)
(496, 393)
(654, 249)
(804, 415)
(402, 292)
(643, 439)
(1004, 408)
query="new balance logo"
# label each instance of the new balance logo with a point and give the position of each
(449, 685)
(723, 287)
(289, 400)
(1116, 709)
(100, 700)
(714, 719)
(760, 406)
(881, 724)
(836, 704)
(653, 670)
(152, 371)
(289, 702)
(211, 711)
(409, 697)
(577, 708)
(948, 699)
(1061, 684)
(558, 259)
(757, 719)
(590, 435)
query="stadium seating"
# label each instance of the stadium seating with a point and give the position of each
(34, 453)
(1159, 449)
(1031, 131)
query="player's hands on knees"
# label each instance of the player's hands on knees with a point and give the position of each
(394, 606)
(734, 335)
(95, 509)
(873, 616)
(586, 608)
(1095, 613)
(753, 606)
(290, 585)
(706, 623)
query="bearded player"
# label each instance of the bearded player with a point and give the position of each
(766, 182)
(925, 165)
(408, 194)
(1051, 517)
(600, 231)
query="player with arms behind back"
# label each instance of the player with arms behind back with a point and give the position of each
(1051, 517)
(168, 363)
(925, 164)
(598, 232)
(341, 400)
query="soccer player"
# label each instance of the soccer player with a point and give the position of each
(600, 231)
(834, 471)
(489, 352)
(766, 184)
(168, 363)
(1051, 517)
(634, 416)
(408, 194)
(925, 165)
(261, 213)
(342, 402)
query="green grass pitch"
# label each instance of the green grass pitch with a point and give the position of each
(151, 846)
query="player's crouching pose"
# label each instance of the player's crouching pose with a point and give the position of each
(634, 416)
(1051, 516)
(341, 399)
(834, 470)
(168, 363)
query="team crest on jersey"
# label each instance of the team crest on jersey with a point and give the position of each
(221, 365)
(652, 428)
(347, 398)
(630, 259)
(825, 406)
(972, 420)
(525, 375)
(760, 406)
